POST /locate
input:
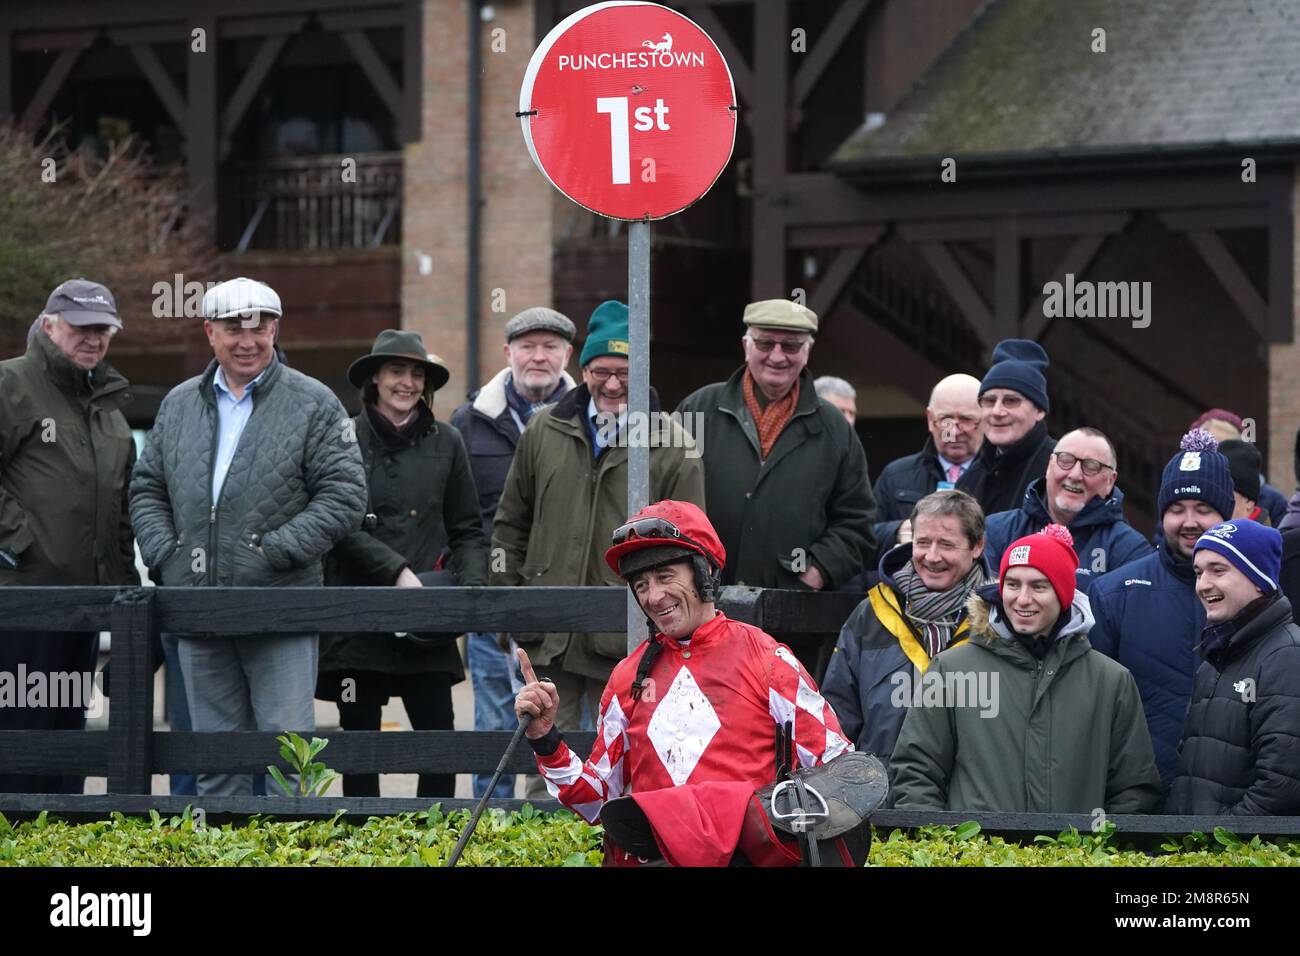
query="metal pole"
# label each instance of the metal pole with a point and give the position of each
(638, 394)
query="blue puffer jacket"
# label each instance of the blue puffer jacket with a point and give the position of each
(1102, 538)
(1149, 618)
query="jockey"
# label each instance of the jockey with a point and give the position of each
(691, 721)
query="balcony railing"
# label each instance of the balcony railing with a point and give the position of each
(317, 203)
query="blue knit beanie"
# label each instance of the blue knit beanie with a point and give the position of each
(1252, 548)
(606, 332)
(1198, 472)
(1019, 364)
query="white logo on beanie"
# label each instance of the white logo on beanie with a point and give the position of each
(1223, 530)
(1019, 555)
(1191, 461)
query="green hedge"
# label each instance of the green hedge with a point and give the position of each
(529, 838)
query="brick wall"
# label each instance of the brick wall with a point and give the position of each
(1284, 379)
(516, 212)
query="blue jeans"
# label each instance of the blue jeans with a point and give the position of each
(494, 694)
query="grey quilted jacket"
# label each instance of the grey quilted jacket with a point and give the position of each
(295, 486)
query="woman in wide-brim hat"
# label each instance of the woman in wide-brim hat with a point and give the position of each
(419, 483)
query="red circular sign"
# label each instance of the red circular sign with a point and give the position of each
(629, 110)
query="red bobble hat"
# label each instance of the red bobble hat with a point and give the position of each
(1050, 551)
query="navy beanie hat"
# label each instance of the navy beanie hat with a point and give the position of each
(1197, 472)
(1245, 462)
(1252, 548)
(1019, 364)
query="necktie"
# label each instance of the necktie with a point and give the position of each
(954, 472)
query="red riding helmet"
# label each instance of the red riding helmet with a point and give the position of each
(669, 531)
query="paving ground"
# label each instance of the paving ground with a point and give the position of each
(327, 723)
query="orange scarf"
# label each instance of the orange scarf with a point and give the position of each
(771, 421)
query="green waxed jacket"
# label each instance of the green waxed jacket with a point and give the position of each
(65, 463)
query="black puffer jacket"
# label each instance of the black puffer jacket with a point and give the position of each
(999, 476)
(1240, 753)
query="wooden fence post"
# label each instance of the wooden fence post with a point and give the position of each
(130, 716)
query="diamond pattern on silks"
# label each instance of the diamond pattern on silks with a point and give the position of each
(683, 724)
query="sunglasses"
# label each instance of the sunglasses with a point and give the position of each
(654, 529)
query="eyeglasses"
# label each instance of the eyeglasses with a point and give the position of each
(1009, 402)
(788, 346)
(1091, 466)
(603, 375)
(964, 422)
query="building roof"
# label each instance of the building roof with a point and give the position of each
(1022, 81)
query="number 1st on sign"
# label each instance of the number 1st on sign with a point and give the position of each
(620, 151)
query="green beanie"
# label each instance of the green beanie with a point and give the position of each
(606, 332)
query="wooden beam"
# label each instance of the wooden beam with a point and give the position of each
(150, 33)
(1234, 280)
(832, 286)
(1077, 259)
(413, 72)
(741, 75)
(828, 44)
(49, 88)
(130, 767)
(768, 113)
(1029, 227)
(237, 28)
(201, 132)
(371, 64)
(161, 82)
(249, 84)
(64, 15)
(1231, 217)
(54, 40)
(821, 237)
(376, 19)
(963, 292)
(824, 198)
(1007, 280)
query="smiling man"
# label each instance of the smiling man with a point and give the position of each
(1078, 492)
(1239, 753)
(250, 475)
(1014, 404)
(769, 441)
(1147, 614)
(689, 720)
(65, 461)
(916, 611)
(1066, 732)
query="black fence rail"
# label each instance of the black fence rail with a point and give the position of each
(131, 751)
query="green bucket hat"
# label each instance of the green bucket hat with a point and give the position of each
(399, 345)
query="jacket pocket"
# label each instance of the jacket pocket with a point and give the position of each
(531, 574)
(611, 644)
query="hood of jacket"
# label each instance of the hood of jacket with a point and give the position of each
(490, 400)
(99, 383)
(1097, 513)
(990, 629)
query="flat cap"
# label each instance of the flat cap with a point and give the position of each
(540, 319)
(780, 314)
(240, 297)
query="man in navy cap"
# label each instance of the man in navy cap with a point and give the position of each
(1239, 755)
(65, 461)
(1016, 449)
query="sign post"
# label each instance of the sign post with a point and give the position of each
(628, 108)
